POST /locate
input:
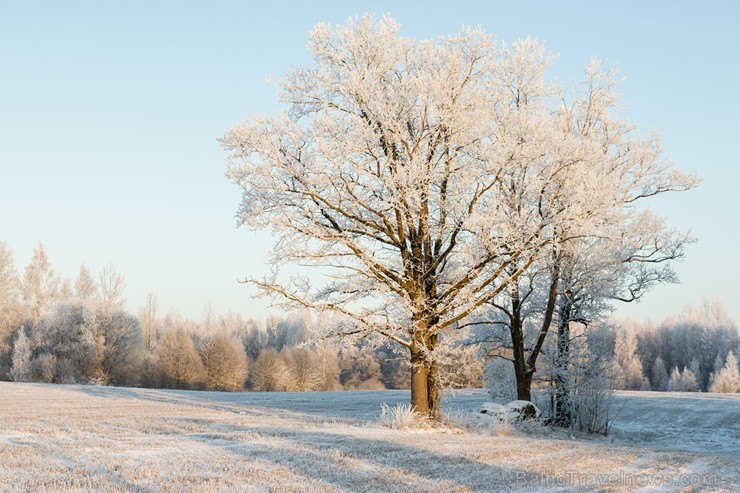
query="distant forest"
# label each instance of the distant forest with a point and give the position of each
(60, 331)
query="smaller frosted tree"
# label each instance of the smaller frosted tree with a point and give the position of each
(728, 379)
(305, 368)
(9, 282)
(682, 381)
(44, 368)
(698, 372)
(21, 371)
(69, 333)
(660, 375)
(688, 381)
(589, 402)
(674, 383)
(149, 321)
(180, 364)
(10, 312)
(719, 363)
(270, 373)
(629, 371)
(66, 292)
(40, 284)
(85, 287)
(225, 362)
(119, 361)
(112, 285)
(329, 369)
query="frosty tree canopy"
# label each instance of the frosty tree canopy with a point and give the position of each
(422, 171)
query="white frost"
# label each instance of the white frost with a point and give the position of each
(83, 438)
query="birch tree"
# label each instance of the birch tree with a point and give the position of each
(40, 284)
(22, 352)
(660, 375)
(10, 310)
(85, 287)
(427, 175)
(8, 282)
(629, 367)
(149, 321)
(112, 285)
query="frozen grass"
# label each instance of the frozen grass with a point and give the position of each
(400, 417)
(703, 423)
(77, 438)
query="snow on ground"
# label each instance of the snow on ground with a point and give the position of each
(689, 421)
(80, 438)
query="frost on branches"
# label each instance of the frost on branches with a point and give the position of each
(429, 175)
(727, 380)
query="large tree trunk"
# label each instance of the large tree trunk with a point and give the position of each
(425, 378)
(524, 386)
(521, 369)
(434, 410)
(519, 358)
(419, 381)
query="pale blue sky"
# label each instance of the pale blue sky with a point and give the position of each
(110, 111)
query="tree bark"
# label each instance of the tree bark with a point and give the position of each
(524, 386)
(425, 377)
(419, 381)
(521, 369)
(434, 411)
(561, 409)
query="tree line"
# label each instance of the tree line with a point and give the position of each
(695, 351)
(58, 331)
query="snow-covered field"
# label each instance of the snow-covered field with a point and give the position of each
(696, 422)
(80, 438)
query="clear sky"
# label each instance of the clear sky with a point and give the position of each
(110, 111)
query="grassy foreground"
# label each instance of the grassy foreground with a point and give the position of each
(79, 438)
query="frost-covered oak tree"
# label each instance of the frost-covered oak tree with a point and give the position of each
(427, 175)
